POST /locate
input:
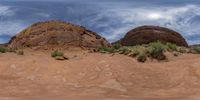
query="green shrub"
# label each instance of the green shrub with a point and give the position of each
(171, 46)
(3, 50)
(106, 50)
(134, 53)
(117, 46)
(124, 50)
(57, 53)
(156, 50)
(136, 50)
(157, 44)
(127, 52)
(142, 57)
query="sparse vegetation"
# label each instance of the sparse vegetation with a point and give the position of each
(134, 53)
(106, 50)
(117, 46)
(20, 52)
(195, 50)
(156, 50)
(12, 50)
(125, 50)
(142, 57)
(182, 50)
(57, 53)
(3, 50)
(171, 46)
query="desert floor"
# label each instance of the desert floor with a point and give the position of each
(94, 76)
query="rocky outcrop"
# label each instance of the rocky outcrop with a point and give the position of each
(147, 34)
(57, 34)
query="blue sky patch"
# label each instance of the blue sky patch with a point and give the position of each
(110, 18)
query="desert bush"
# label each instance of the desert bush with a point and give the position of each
(142, 57)
(182, 49)
(196, 50)
(157, 44)
(20, 52)
(57, 53)
(171, 46)
(176, 54)
(117, 46)
(134, 53)
(156, 50)
(106, 50)
(136, 50)
(127, 52)
(124, 50)
(3, 50)
(12, 50)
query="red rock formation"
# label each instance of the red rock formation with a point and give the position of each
(57, 33)
(147, 34)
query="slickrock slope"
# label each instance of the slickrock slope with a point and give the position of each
(95, 76)
(51, 34)
(147, 34)
(98, 75)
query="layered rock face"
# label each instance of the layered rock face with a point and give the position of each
(57, 33)
(147, 34)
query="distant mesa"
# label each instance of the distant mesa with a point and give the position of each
(147, 34)
(57, 34)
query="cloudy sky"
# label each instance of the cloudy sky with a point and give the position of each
(110, 18)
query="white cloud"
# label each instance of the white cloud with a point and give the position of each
(114, 21)
(179, 18)
(5, 11)
(115, 33)
(10, 28)
(45, 15)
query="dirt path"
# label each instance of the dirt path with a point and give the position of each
(104, 76)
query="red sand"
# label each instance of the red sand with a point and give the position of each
(94, 76)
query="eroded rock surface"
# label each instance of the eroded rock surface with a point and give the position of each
(147, 34)
(53, 34)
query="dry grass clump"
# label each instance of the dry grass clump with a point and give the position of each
(11, 50)
(57, 53)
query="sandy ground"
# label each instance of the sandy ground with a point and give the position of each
(94, 76)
